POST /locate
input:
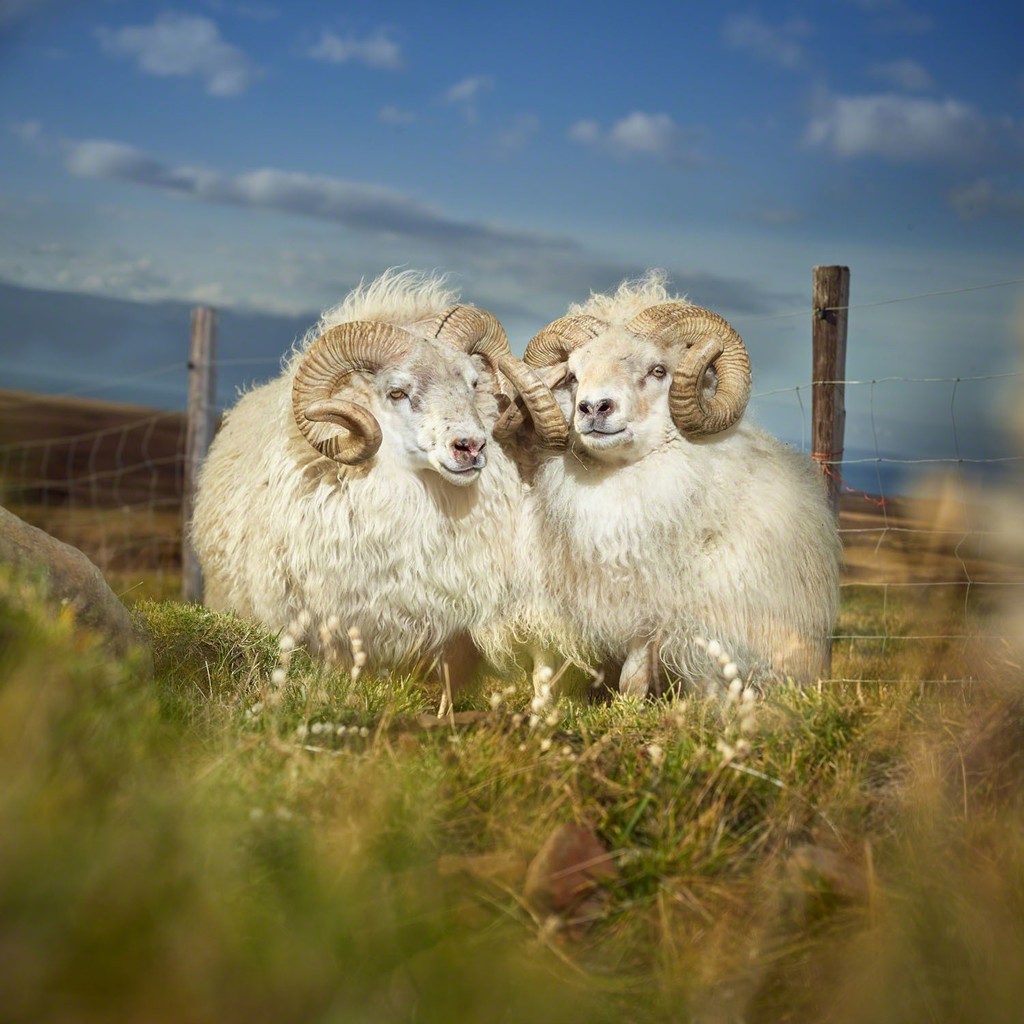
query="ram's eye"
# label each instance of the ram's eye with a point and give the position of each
(658, 370)
(569, 380)
(397, 394)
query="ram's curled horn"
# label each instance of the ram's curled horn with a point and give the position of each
(512, 419)
(349, 348)
(478, 332)
(547, 352)
(554, 343)
(708, 341)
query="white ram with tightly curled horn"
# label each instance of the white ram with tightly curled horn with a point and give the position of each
(669, 519)
(361, 487)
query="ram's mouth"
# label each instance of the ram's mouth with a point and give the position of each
(461, 476)
(604, 439)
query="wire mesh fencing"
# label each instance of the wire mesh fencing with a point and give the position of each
(927, 564)
(104, 477)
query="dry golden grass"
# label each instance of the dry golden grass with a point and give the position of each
(211, 846)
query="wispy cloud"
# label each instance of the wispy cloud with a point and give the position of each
(780, 45)
(29, 132)
(12, 11)
(377, 50)
(904, 129)
(186, 46)
(395, 115)
(466, 93)
(516, 135)
(362, 206)
(469, 88)
(654, 136)
(908, 75)
(398, 226)
(983, 199)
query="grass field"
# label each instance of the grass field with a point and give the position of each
(211, 845)
(242, 835)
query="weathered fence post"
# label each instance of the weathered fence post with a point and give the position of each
(198, 435)
(831, 298)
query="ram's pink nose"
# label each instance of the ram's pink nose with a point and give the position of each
(467, 451)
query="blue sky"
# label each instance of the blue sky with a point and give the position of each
(262, 157)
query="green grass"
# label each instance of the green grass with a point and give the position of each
(196, 846)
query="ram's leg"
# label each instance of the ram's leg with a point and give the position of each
(543, 671)
(603, 681)
(641, 672)
(457, 668)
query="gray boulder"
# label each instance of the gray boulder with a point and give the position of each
(71, 579)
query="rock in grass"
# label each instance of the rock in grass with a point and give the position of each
(71, 580)
(564, 879)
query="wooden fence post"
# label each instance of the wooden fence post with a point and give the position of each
(831, 297)
(198, 435)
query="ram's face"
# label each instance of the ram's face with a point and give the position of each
(615, 396)
(434, 408)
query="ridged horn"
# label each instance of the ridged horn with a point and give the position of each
(511, 420)
(709, 340)
(548, 348)
(477, 332)
(365, 346)
(561, 337)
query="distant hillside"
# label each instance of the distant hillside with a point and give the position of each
(58, 451)
(58, 342)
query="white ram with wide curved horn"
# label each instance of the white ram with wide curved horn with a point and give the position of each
(669, 519)
(361, 487)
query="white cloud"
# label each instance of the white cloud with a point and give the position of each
(908, 75)
(655, 136)
(15, 10)
(186, 46)
(649, 134)
(378, 50)
(29, 132)
(983, 199)
(517, 135)
(586, 131)
(901, 128)
(375, 209)
(395, 115)
(469, 88)
(773, 44)
(466, 92)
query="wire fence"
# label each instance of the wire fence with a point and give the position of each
(106, 478)
(926, 569)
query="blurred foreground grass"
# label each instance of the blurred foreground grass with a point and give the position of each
(205, 846)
